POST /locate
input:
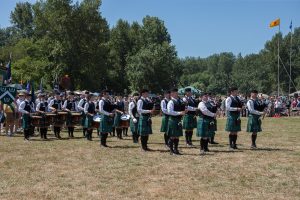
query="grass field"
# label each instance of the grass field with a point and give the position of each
(78, 169)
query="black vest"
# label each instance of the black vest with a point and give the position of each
(134, 110)
(166, 103)
(91, 108)
(71, 105)
(235, 103)
(209, 107)
(258, 105)
(191, 102)
(43, 106)
(57, 104)
(213, 107)
(120, 105)
(178, 105)
(147, 105)
(27, 106)
(108, 106)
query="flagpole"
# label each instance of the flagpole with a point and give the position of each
(290, 62)
(278, 63)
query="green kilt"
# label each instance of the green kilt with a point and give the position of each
(88, 122)
(145, 125)
(189, 122)
(117, 120)
(164, 123)
(233, 123)
(206, 127)
(134, 126)
(254, 123)
(174, 127)
(105, 124)
(83, 119)
(26, 121)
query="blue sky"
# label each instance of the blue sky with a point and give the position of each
(202, 27)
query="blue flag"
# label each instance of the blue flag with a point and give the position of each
(28, 86)
(32, 92)
(291, 25)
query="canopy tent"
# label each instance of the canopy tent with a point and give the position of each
(195, 91)
(17, 86)
(297, 92)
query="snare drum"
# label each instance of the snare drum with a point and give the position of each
(96, 121)
(50, 118)
(76, 117)
(124, 123)
(36, 120)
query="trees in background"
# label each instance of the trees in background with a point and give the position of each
(52, 38)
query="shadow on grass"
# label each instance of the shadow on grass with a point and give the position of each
(268, 149)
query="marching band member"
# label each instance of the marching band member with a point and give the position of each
(117, 119)
(206, 124)
(144, 108)
(54, 106)
(42, 108)
(70, 106)
(89, 111)
(189, 119)
(125, 109)
(106, 111)
(233, 123)
(176, 109)
(214, 109)
(165, 117)
(80, 107)
(25, 109)
(134, 117)
(255, 112)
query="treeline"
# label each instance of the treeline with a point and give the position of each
(53, 38)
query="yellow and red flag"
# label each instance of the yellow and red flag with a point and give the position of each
(275, 23)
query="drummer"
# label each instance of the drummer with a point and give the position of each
(134, 117)
(80, 107)
(25, 109)
(117, 119)
(42, 108)
(54, 106)
(89, 111)
(70, 106)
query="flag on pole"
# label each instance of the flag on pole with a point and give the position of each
(275, 23)
(28, 86)
(32, 93)
(291, 25)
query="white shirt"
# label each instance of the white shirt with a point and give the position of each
(140, 106)
(86, 107)
(101, 104)
(22, 106)
(202, 107)
(228, 103)
(19, 101)
(250, 106)
(79, 106)
(131, 107)
(170, 108)
(163, 106)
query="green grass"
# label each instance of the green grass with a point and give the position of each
(78, 169)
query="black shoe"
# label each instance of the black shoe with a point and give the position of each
(176, 152)
(213, 142)
(235, 147)
(103, 145)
